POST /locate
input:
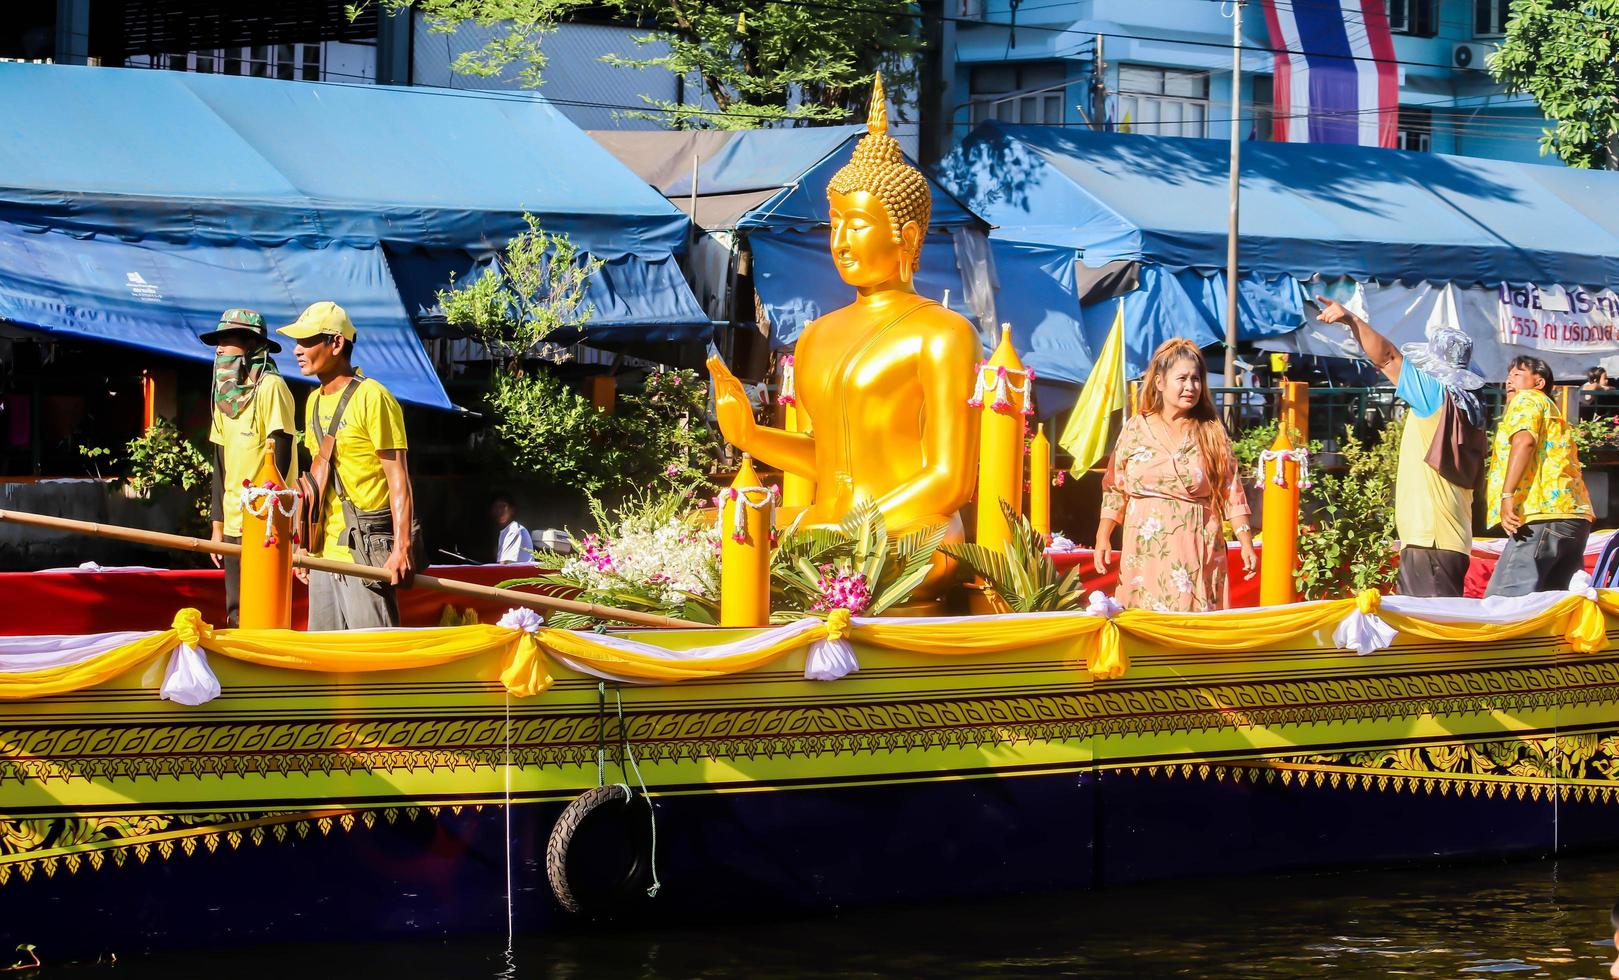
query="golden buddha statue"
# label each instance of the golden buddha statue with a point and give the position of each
(884, 381)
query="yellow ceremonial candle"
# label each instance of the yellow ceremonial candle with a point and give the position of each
(1280, 555)
(745, 550)
(266, 552)
(797, 491)
(1000, 443)
(1040, 483)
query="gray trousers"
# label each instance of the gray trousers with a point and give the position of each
(342, 602)
(1541, 557)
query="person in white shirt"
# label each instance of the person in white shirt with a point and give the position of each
(514, 545)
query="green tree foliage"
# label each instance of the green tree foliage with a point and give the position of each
(1565, 53)
(535, 287)
(756, 63)
(1348, 545)
(162, 457)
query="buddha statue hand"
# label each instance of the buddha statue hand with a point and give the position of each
(732, 408)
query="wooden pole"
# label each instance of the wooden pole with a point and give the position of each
(1280, 510)
(177, 542)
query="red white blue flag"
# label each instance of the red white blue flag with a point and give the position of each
(1337, 80)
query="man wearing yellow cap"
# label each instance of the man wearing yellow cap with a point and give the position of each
(369, 510)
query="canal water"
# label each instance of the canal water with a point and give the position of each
(1523, 919)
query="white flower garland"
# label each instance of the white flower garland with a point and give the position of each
(268, 501)
(1299, 456)
(739, 519)
(1003, 388)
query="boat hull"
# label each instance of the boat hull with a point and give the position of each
(300, 805)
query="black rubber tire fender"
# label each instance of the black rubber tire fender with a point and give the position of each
(598, 859)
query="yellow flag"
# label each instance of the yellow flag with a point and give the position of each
(1085, 435)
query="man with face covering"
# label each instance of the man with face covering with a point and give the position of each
(1442, 449)
(252, 406)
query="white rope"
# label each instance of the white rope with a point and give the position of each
(1003, 388)
(1299, 456)
(744, 496)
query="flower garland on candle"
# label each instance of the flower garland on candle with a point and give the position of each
(789, 394)
(767, 497)
(1299, 456)
(267, 501)
(1003, 388)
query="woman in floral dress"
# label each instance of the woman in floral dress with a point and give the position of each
(1171, 482)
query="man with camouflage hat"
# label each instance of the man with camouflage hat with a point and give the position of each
(252, 407)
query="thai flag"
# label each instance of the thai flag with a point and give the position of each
(1337, 80)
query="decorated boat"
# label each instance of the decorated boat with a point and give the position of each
(186, 784)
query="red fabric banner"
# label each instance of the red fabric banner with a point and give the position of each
(76, 602)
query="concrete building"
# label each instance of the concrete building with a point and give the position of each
(1165, 66)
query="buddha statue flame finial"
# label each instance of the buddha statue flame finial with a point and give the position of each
(879, 168)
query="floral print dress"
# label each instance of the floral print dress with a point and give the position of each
(1174, 556)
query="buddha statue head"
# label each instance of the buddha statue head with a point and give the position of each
(879, 207)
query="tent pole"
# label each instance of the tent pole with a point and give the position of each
(1231, 232)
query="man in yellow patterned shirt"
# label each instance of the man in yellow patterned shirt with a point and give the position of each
(1536, 491)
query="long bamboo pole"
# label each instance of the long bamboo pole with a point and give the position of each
(178, 542)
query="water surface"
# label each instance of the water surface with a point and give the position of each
(1525, 919)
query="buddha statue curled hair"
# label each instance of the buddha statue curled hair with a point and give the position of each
(879, 168)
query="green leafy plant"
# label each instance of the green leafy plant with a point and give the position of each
(1565, 53)
(891, 569)
(161, 457)
(536, 287)
(1025, 577)
(1349, 546)
(1595, 436)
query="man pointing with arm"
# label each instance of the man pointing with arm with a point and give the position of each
(1441, 450)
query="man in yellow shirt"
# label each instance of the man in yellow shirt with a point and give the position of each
(369, 509)
(1536, 490)
(1441, 449)
(252, 408)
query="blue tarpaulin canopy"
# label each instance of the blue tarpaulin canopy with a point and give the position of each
(1362, 212)
(423, 182)
(1074, 196)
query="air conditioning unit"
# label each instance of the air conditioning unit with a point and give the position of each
(1470, 55)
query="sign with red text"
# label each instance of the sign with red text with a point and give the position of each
(1574, 320)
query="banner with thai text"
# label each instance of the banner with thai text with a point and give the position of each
(1552, 318)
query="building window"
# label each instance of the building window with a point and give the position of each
(290, 61)
(1419, 18)
(1163, 101)
(1416, 130)
(1490, 17)
(969, 9)
(1032, 94)
(1262, 125)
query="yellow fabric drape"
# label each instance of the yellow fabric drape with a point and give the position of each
(1098, 641)
(88, 673)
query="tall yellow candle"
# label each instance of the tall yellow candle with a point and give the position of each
(797, 490)
(1281, 525)
(745, 521)
(1002, 385)
(1040, 483)
(267, 508)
